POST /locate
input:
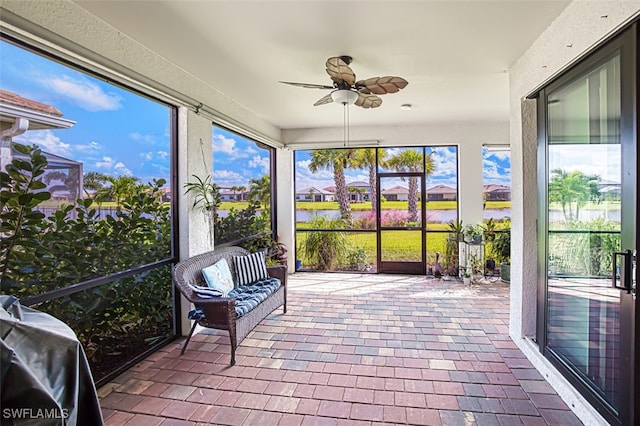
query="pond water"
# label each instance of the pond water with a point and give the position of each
(434, 216)
(446, 216)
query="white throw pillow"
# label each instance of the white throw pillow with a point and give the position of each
(218, 277)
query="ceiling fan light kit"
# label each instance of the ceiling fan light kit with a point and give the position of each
(344, 96)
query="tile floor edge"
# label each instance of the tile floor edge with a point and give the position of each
(574, 400)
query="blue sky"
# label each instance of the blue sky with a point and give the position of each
(118, 132)
(236, 160)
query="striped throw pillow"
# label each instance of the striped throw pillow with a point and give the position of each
(205, 292)
(250, 268)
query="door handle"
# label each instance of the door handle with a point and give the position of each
(622, 270)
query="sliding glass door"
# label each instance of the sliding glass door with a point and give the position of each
(588, 304)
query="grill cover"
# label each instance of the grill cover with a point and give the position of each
(45, 376)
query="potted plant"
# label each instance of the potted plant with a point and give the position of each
(357, 258)
(206, 197)
(457, 229)
(489, 230)
(473, 234)
(502, 250)
(466, 278)
(275, 252)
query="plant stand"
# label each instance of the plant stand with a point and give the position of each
(471, 250)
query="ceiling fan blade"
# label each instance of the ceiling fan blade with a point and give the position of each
(308, 85)
(327, 99)
(381, 85)
(368, 101)
(339, 71)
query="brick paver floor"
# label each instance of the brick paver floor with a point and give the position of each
(352, 350)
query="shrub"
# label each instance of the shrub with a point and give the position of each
(122, 318)
(324, 249)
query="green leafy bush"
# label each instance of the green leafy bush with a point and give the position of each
(39, 254)
(324, 249)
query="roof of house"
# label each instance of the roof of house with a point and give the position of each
(396, 190)
(358, 183)
(15, 99)
(493, 188)
(232, 192)
(313, 189)
(38, 115)
(441, 189)
(53, 161)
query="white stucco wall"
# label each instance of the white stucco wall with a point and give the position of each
(285, 203)
(576, 31)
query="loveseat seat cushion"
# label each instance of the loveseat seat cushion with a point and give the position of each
(247, 297)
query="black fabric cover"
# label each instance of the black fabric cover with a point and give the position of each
(45, 377)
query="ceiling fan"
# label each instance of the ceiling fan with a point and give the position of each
(345, 88)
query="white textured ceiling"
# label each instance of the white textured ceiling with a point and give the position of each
(455, 54)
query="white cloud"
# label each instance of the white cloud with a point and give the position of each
(601, 160)
(490, 170)
(500, 155)
(227, 146)
(260, 162)
(157, 155)
(106, 163)
(228, 178)
(304, 178)
(120, 169)
(445, 164)
(84, 93)
(91, 146)
(47, 141)
(142, 138)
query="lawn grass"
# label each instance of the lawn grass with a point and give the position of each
(390, 205)
(366, 205)
(397, 245)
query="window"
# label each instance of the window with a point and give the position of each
(496, 180)
(100, 218)
(337, 217)
(242, 170)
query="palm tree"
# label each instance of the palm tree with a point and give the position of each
(121, 187)
(241, 190)
(358, 191)
(409, 160)
(576, 187)
(260, 190)
(234, 189)
(70, 182)
(94, 181)
(312, 192)
(336, 160)
(366, 159)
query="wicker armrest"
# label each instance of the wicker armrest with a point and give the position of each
(217, 310)
(279, 272)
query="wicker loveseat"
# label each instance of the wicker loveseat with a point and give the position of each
(220, 312)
